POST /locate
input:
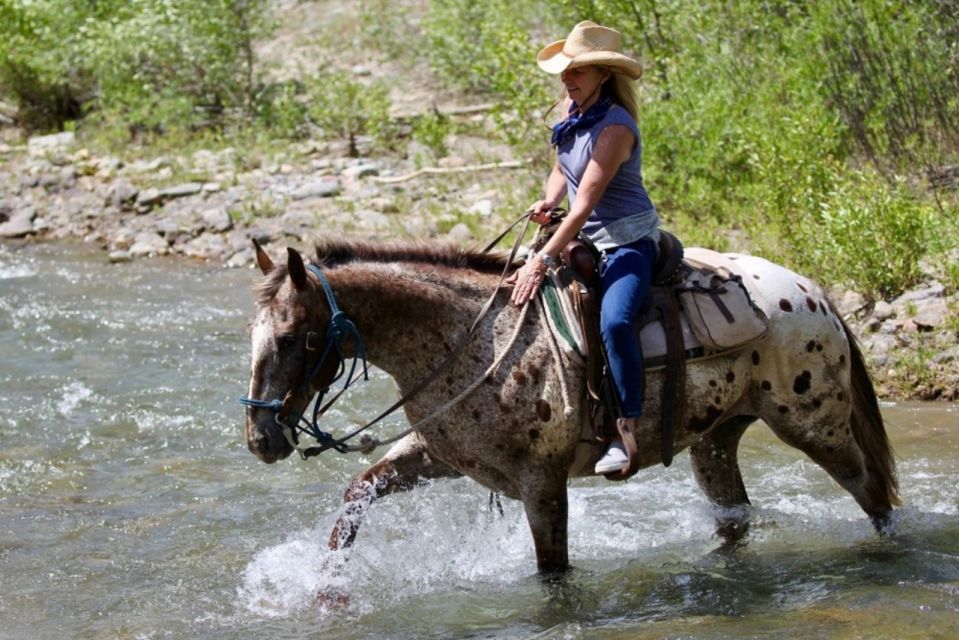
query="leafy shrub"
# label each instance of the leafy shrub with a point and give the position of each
(42, 66)
(151, 63)
(344, 107)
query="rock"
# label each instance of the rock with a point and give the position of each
(217, 220)
(122, 240)
(181, 190)
(947, 356)
(148, 198)
(20, 223)
(149, 243)
(372, 219)
(460, 233)
(936, 290)
(883, 311)
(880, 344)
(206, 246)
(211, 187)
(240, 259)
(322, 188)
(261, 235)
(362, 170)
(119, 257)
(299, 218)
(849, 304)
(122, 194)
(321, 164)
(68, 176)
(384, 205)
(482, 208)
(39, 146)
(931, 313)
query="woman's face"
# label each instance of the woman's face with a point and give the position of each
(581, 83)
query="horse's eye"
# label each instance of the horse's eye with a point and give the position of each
(285, 342)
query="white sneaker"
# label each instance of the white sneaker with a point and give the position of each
(613, 460)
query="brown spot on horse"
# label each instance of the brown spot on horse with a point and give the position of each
(543, 411)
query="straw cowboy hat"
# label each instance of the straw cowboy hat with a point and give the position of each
(588, 43)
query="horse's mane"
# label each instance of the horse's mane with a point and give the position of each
(335, 253)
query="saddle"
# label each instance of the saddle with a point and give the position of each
(697, 307)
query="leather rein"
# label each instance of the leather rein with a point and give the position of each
(340, 329)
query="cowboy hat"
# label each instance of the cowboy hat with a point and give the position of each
(588, 44)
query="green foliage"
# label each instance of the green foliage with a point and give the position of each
(154, 64)
(890, 70)
(864, 233)
(42, 66)
(344, 107)
(486, 48)
(431, 129)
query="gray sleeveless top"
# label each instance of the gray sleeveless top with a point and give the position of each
(624, 213)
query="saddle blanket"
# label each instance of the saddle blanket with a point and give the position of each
(711, 293)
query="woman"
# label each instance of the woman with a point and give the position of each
(598, 160)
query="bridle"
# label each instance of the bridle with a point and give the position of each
(340, 329)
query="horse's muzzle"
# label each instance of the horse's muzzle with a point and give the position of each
(265, 440)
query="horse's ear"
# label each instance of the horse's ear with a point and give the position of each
(296, 268)
(262, 260)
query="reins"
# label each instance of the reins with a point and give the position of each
(339, 330)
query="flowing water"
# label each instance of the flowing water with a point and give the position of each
(130, 507)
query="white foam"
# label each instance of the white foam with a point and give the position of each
(71, 396)
(13, 272)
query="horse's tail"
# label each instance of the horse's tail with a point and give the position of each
(867, 425)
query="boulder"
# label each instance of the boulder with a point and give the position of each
(39, 146)
(460, 232)
(217, 220)
(122, 194)
(149, 243)
(361, 170)
(181, 190)
(322, 188)
(19, 224)
(930, 313)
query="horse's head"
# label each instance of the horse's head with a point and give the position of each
(288, 363)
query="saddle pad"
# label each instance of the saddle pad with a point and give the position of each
(718, 303)
(560, 315)
(563, 322)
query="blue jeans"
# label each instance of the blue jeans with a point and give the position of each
(625, 274)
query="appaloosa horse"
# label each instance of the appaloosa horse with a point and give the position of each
(520, 430)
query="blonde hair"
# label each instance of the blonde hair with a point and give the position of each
(623, 92)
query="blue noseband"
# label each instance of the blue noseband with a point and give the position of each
(338, 332)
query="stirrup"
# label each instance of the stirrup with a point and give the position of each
(628, 442)
(613, 460)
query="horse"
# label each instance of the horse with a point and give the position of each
(508, 406)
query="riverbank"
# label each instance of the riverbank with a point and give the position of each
(210, 204)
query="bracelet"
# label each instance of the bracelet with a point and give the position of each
(548, 260)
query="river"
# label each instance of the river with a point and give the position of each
(130, 507)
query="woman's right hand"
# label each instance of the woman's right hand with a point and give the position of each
(540, 211)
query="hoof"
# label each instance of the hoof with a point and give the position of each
(332, 600)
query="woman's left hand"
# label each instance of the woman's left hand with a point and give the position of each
(527, 279)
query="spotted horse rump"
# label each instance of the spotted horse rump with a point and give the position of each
(509, 408)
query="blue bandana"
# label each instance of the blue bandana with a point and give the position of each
(566, 129)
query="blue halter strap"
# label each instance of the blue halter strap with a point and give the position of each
(339, 330)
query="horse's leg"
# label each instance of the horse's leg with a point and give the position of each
(833, 447)
(399, 470)
(716, 467)
(547, 511)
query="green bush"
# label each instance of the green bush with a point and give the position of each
(43, 68)
(343, 107)
(153, 64)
